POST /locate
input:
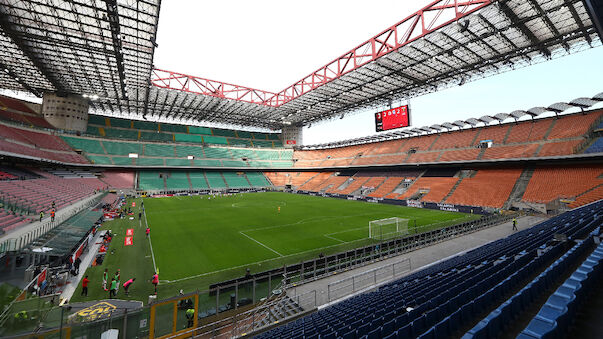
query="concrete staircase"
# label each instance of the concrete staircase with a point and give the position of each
(282, 309)
(453, 188)
(519, 188)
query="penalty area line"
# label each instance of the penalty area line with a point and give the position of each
(258, 262)
(280, 255)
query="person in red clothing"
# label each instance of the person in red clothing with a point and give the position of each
(127, 284)
(85, 286)
(155, 281)
(148, 231)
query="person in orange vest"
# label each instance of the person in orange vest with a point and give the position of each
(52, 216)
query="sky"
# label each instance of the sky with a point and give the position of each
(270, 44)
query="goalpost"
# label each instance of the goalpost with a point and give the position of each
(388, 228)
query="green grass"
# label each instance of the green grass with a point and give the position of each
(199, 241)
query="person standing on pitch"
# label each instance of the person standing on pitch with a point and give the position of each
(147, 231)
(155, 281)
(105, 277)
(85, 286)
(514, 224)
(113, 290)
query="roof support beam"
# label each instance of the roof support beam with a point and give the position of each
(113, 18)
(508, 12)
(6, 26)
(548, 22)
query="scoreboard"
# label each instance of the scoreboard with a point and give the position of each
(392, 118)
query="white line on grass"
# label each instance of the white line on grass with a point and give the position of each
(318, 218)
(261, 244)
(258, 262)
(150, 244)
(341, 241)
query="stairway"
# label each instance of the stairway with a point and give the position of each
(190, 184)
(481, 153)
(546, 135)
(519, 188)
(453, 188)
(282, 309)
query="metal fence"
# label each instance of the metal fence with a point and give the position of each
(15, 244)
(371, 278)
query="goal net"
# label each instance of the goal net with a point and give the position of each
(388, 228)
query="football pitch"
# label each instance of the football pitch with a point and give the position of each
(197, 240)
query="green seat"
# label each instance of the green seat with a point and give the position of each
(116, 133)
(150, 180)
(122, 148)
(93, 130)
(149, 162)
(159, 150)
(198, 180)
(123, 123)
(156, 136)
(244, 134)
(96, 120)
(214, 140)
(234, 163)
(99, 159)
(242, 153)
(184, 151)
(192, 138)
(257, 179)
(173, 128)
(122, 161)
(177, 181)
(215, 180)
(286, 154)
(217, 153)
(267, 155)
(207, 163)
(274, 136)
(235, 180)
(177, 162)
(282, 164)
(259, 164)
(86, 145)
(259, 136)
(199, 130)
(145, 125)
(263, 143)
(224, 132)
(239, 142)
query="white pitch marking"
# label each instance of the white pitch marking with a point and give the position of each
(261, 244)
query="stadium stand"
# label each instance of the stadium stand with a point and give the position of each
(440, 300)
(432, 189)
(595, 147)
(18, 111)
(386, 187)
(118, 179)
(555, 317)
(149, 131)
(548, 184)
(489, 187)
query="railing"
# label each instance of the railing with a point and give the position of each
(344, 287)
(15, 244)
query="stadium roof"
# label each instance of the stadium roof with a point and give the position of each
(582, 103)
(105, 48)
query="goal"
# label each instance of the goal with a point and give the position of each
(388, 228)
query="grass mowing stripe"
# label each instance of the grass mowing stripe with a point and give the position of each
(149, 236)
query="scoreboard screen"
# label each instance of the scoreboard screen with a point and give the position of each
(392, 118)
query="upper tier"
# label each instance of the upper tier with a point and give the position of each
(115, 128)
(560, 136)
